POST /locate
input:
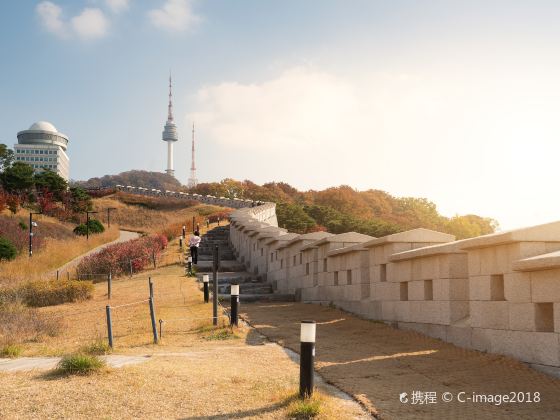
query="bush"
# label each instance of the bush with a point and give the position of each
(19, 324)
(7, 250)
(79, 364)
(98, 347)
(95, 226)
(48, 293)
(10, 350)
(116, 258)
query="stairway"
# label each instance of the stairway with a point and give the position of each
(251, 288)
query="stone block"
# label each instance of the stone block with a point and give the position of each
(460, 336)
(545, 286)
(425, 268)
(489, 314)
(388, 311)
(522, 316)
(386, 291)
(402, 311)
(517, 287)
(473, 260)
(458, 266)
(479, 287)
(374, 310)
(451, 289)
(480, 339)
(530, 347)
(528, 249)
(489, 260)
(365, 289)
(400, 271)
(416, 290)
(458, 310)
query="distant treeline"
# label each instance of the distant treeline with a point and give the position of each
(343, 209)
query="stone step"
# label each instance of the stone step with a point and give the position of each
(225, 278)
(225, 265)
(247, 288)
(272, 297)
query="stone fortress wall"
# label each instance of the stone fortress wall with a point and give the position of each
(234, 203)
(498, 293)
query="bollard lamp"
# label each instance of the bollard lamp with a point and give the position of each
(307, 357)
(307, 331)
(235, 290)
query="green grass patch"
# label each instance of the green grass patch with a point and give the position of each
(79, 364)
(97, 348)
(220, 334)
(306, 408)
(11, 351)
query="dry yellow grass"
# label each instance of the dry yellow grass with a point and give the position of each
(140, 218)
(188, 375)
(53, 254)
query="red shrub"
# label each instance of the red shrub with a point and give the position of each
(117, 258)
(18, 235)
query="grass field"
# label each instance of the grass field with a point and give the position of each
(197, 370)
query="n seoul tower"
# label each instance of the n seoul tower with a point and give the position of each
(170, 133)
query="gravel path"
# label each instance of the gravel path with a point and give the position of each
(377, 365)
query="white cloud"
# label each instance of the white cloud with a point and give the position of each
(117, 6)
(90, 24)
(50, 15)
(175, 15)
(470, 145)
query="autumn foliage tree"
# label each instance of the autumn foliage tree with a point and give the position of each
(342, 209)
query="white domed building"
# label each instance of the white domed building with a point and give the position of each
(43, 147)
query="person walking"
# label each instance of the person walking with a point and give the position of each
(194, 243)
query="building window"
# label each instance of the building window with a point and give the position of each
(348, 276)
(294, 260)
(336, 278)
(301, 257)
(307, 268)
(325, 265)
(281, 263)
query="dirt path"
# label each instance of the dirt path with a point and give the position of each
(124, 235)
(24, 364)
(376, 364)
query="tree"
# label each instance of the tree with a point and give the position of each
(80, 201)
(294, 218)
(7, 250)
(6, 157)
(52, 182)
(17, 178)
(46, 202)
(13, 201)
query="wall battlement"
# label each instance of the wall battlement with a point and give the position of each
(498, 293)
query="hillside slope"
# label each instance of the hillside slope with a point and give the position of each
(145, 179)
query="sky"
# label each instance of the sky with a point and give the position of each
(454, 101)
